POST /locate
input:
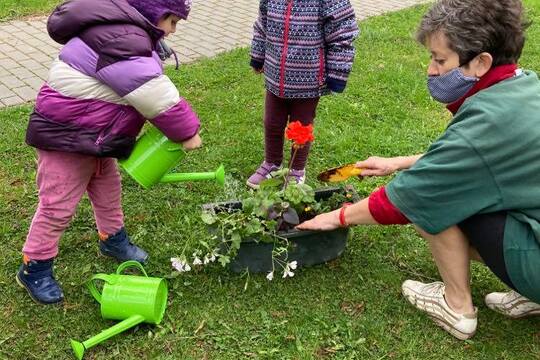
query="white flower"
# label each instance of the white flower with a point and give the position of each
(180, 265)
(206, 260)
(213, 257)
(270, 276)
(288, 273)
(293, 264)
(197, 261)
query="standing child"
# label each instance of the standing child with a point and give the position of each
(107, 80)
(305, 49)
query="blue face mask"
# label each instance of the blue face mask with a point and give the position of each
(450, 87)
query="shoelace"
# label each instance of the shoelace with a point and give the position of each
(435, 288)
(511, 296)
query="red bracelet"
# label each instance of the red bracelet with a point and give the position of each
(342, 221)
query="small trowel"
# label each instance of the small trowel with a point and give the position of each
(340, 173)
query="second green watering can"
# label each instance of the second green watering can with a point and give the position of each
(154, 156)
(132, 299)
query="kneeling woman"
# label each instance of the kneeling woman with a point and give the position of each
(475, 193)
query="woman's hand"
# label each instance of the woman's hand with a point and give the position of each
(324, 222)
(377, 166)
(380, 166)
(192, 143)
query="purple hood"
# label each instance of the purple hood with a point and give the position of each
(72, 18)
(154, 10)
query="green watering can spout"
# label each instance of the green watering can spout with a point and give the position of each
(79, 348)
(218, 175)
(154, 156)
(132, 299)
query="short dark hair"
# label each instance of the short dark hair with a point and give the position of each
(476, 26)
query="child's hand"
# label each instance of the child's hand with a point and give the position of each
(193, 142)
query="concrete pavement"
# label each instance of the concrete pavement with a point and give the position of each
(214, 26)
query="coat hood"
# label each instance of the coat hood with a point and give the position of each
(73, 17)
(154, 10)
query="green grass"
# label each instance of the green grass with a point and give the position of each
(12, 9)
(348, 309)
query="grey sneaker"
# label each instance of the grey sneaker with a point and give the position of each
(430, 299)
(512, 304)
(262, 173)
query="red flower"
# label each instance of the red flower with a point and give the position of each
(299, 133)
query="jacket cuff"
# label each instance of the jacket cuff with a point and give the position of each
(335, 85)
(383, 211)
(256, 64)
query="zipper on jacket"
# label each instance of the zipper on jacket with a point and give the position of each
(285, 49)
(321, 66)
(102, 134)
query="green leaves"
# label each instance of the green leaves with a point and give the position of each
(267, 211)
(208, 217)
(299, 194)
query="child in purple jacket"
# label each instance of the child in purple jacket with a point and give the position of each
(107, 80)
(305, 49)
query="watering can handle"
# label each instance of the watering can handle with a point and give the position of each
(131, 263)
(92, 286)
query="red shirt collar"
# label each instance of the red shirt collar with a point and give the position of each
(493, 76)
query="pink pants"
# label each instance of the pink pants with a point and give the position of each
(62, 180)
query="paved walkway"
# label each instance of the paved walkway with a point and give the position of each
(214, 26)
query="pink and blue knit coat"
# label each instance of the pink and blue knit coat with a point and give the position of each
(305, 46)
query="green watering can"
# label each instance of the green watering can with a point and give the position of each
(132, 299)
(154, 156)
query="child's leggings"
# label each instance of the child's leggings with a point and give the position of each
(277, 113)
(62, 180)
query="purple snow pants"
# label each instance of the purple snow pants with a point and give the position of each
(277, 113)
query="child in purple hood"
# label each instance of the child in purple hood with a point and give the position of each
(107, 80)
(305, 49)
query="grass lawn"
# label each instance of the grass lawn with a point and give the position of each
(350, 308)
(10, 9)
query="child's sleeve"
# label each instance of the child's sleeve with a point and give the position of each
(140, 81)
(258, 44)
(340, 30)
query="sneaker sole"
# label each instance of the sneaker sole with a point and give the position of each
(528, 314)
(253, 186)
(450, 329)
(21, 284)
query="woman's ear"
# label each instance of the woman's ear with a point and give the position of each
(481, 64)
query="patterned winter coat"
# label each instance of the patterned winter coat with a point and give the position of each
(306, 46)
(106, 81)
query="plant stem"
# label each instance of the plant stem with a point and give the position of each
(295, 147)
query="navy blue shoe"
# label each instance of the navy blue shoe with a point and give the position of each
(121, 248)
(37, 278)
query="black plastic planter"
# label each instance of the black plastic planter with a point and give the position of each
(306, 247)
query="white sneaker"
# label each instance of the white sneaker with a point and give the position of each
(430, 299)
(512, 304)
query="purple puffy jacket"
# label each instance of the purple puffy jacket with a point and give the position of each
(106, 81)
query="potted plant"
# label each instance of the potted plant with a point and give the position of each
(258, 233)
